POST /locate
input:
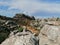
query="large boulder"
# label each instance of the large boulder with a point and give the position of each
(49, 35)
(21, 39)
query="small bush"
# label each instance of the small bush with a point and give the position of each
(57, 19)
(3, 36)
(4, 33)
(20, 29)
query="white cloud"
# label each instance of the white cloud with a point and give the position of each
(3, 3)
(33, 6)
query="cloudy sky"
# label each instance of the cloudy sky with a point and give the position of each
(37, 8)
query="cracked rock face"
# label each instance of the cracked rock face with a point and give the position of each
(21, 39)
(49, 35)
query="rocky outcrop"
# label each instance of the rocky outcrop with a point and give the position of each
(48, 30)
(21, 15)
(56, 23)
(5, 28)
(12, 24)
(6, 18)
(22, 38)
(23, 19)
(49, 35)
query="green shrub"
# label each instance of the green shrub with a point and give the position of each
(4, 33)
(57, 19)
(20, 29)
(3, 36)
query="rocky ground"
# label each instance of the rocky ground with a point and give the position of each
(50, 35)
(13, 31)
(21, 38)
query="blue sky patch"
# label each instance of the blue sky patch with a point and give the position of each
(2, 7)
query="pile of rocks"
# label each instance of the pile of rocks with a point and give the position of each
(9, 24)
(39, 23)
(5, 28)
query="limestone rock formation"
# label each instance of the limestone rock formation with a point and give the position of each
(56, 23)
(21, 39)
(49, 35)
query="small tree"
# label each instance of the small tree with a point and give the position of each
(45, 20)
(57, 19)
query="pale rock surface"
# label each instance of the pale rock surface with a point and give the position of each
(21, 39)
(49, 35)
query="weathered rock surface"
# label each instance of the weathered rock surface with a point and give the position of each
(49, 35)
(21, 39)
(56, 23)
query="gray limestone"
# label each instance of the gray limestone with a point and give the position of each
(22, 38)
(49, 35)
